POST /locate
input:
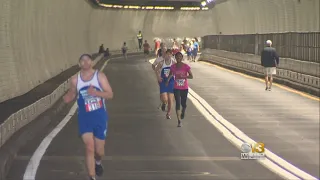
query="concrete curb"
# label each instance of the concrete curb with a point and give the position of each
(29, 113)
(19, 139)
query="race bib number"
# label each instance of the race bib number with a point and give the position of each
(93, 104)
(180, 82)
(166, 72)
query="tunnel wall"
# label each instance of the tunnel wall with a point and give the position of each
(41, 38)
(267, 16)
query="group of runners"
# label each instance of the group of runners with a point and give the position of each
(172, 76)
(171, 73)
(191, 47)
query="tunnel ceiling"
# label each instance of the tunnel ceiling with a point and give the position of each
(172, 3)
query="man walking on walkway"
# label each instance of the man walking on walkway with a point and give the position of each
(140, 39)
(269, 60)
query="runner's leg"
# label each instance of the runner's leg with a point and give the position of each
(184, 96)
(170, 102)
(99, 153)
(100, 133)
(99, 149)
(178, 101)
(164, 99)
(159, 107)
(88, 140)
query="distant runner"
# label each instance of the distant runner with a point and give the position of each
(124, 50)
(195, 49)
(175, 47)
(91, 88)
(140, 39)
(160, 57)
(160, 51)
(146, 48)
(189, 51)
(156, 46)
(106, 54)
(181, 72)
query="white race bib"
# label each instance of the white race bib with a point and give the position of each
(166, 72)
(180, 82)
(92, 103)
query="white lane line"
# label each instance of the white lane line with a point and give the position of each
(237, 142)
(278, 166)
(33, 165)
(275, 158)
(30, 173)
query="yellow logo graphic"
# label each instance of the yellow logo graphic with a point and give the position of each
(258, 147)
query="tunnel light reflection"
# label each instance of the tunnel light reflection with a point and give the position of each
(132, 7)
(106, 5)
(151, 7)
(138, 7)
(117, 6)
(190, 8)
(163, 8)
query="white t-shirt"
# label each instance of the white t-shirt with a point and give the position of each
(124, 48)
(157, 61)
(174, 60)
(160, 59)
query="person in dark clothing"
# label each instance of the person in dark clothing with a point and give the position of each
(146, 50)
(162, 46)
(106, 53)
(269, 60)
(101, 49)
(159, 53)
(185, 42)
(124, 50)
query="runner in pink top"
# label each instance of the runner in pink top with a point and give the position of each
(181, 73)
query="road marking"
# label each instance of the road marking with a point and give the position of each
(33, 165)
(104, 65)
(234, 135)
(275, 163)
(262, 80)
(237, 142)
(31, 170)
